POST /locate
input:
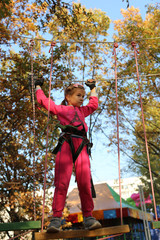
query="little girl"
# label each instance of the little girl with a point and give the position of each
(72, 149)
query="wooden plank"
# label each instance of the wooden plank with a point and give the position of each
(156, 224)
(82, 233)
(20, 226)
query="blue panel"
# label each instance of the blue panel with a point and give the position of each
(109, 214)
(158, 211)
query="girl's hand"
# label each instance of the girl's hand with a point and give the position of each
(91, 83)
(37, 81)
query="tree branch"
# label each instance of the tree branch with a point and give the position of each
(146, 167)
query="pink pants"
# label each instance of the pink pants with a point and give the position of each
(63, 172)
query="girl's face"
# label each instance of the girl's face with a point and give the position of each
(76, 99)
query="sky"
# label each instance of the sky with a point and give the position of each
(104, 163)
(113, 8)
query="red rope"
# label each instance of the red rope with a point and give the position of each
(119, 167)
(20, 235)
(34, 131)
(46, 156)
(145, 136)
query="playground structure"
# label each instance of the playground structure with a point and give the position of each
(108, 212)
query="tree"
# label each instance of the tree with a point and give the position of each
(16, 169)
(17, 172)
(17, 140)
(145, 33)
(139, 149)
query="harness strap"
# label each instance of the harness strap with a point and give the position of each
(84, 142)
(93, 189)
(66, 136)
(61, 140)
(72, 129)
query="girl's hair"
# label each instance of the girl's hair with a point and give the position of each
(70, 90)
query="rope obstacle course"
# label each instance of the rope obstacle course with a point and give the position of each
(79, 233)
(114, 52)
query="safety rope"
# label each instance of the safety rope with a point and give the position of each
(90, 117)
(119, 167)
(20, 235)
(46, 156)
(34, 131)
(145, 136)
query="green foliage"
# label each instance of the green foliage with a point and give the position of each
(5, 10)
(152, 126)
(133, 27)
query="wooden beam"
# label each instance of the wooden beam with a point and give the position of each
(156, 224)
(20, 226)
(10, 183)
(82, 233)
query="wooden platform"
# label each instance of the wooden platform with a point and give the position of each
(16, 226)
(82, 233)
(156, 224)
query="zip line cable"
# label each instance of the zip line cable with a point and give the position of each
(97, 42)
(99, 80)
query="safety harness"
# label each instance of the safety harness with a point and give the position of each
(69, 132)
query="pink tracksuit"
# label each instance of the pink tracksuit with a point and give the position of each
(70, 115)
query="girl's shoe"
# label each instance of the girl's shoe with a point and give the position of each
(91, 223)
(54, 225)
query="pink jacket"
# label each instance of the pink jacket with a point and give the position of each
(69, 115)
